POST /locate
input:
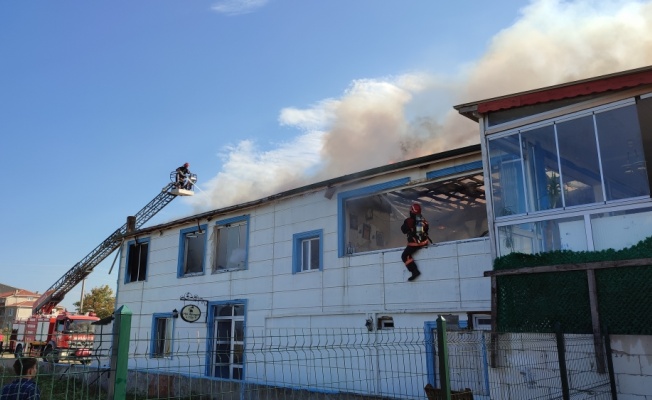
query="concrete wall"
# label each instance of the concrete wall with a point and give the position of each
(632, 358)
(528, 367)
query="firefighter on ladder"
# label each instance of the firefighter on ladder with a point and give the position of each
(183, 177)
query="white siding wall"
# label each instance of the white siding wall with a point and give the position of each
(347, 291)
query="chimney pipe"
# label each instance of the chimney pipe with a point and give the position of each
(131, 224)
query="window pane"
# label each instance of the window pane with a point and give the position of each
(239, 331)
(142, 262)
(238, 352)
(132, 263)
(224, 311)
(162, 339)
(506, 176)
(238, 309)
(305, 255)
(220, 251)
(541, 169)
(621, 151)
(168, 337)
(221, 371)
(195, 252)
(224, 330)
(580, 167)
(632, 227)
(137, 262)
(314, 253)
(230, 248)
(543, 236)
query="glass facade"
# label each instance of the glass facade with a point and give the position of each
(542, 174)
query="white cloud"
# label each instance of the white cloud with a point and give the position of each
(556, 41)
(238, 7)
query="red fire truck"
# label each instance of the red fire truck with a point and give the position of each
(66, 336)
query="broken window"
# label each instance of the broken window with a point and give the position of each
(192, 250)
(453, 206)
(137, 260)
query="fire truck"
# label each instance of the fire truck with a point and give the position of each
(71, 336)
(66, 336)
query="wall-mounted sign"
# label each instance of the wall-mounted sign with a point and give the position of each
(190, 313)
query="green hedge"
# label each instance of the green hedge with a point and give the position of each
(642, 249)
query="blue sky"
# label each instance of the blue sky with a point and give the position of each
(99, 101)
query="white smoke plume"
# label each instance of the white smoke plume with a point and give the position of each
(558, 41)
(381, 121)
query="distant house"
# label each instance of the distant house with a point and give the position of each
(15, 304)
(324, 256)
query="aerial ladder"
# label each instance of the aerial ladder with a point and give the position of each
(181, 185)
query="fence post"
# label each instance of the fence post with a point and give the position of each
(120, 353)
(561, 356)
(610, 363)
(442, 349)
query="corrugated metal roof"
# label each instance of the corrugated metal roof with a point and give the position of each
(600, 84)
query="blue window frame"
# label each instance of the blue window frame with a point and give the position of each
(430, 330)
(307, 251)
(136, 260)
(162, 340)
(192, 251)
(231, 244)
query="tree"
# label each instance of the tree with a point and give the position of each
(100, 300)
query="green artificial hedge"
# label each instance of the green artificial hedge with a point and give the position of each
(537, 302)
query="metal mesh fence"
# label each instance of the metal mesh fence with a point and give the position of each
(331, 364)
(528, 367)
(289, 364)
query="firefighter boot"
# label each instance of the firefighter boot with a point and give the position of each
(412, 267)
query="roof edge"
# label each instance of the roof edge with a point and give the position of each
(599, 84)
(366, 174)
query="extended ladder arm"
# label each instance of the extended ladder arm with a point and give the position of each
(55, 294)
